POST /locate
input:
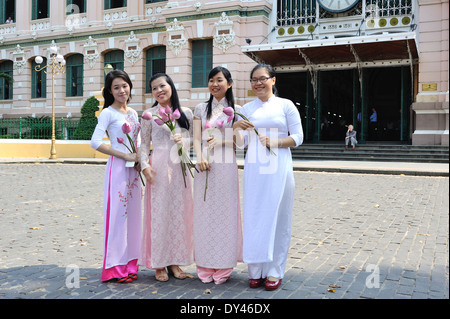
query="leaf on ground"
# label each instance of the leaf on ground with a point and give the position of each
(35, 228)
(334, 286)
(331, 290)
(207, 292)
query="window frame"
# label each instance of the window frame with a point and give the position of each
(152, 55)
(202, 62)
(35, 76)
(75, 61)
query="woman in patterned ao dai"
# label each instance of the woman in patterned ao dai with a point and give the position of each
(217, 216)
(167, 234)
(122, 188)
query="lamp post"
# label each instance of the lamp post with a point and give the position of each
(55, 67)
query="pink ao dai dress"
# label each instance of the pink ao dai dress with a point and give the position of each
(168, 207)
(122, 197)
(217, 220)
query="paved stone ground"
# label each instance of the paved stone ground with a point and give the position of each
(371, 236)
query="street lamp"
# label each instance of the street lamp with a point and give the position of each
(108, 68)
(55, 67)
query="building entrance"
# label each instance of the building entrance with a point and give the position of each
(336, 102)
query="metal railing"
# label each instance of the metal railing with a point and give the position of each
(298, 12)
(41, 128)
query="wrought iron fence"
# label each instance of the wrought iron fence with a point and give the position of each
(41, 128)
(297, 12)
(386, 8)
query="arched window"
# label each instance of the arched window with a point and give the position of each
(155, 63)
(115, 59)
(74, 75)
(38, 81)
(6, 87)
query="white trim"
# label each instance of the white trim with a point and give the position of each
(330, 42)
(431, 132)
(46, 142)
(431, 111)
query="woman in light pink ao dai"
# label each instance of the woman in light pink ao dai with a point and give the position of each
(217, 215)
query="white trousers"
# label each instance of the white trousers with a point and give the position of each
(277, 266)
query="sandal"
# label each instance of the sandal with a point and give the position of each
(124, 280)
(178, 273)
(133, 276)
(161, 275)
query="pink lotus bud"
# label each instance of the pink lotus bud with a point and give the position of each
(120, 140)
(164, 117)
(168, 110)
(230, 118)
(207, 125)
(228, 111)
(126, 128)
(161, 112)
(219, 124)
(176, 114)
(147, 116)
(159, 122)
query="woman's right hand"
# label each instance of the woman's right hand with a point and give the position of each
(130, 157)
(148, 174)
(243, 125)
(203, 165)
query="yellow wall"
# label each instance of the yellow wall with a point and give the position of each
(41, 148)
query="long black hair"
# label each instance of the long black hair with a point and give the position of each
(228, 95)
(269, 70)
(174, 100)
(107, 95)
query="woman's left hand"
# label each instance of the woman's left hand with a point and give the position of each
(265, 140)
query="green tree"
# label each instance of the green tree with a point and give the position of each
(88, 120)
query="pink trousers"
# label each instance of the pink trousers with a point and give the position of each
(219, 276)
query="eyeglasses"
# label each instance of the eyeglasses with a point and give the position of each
(262, 80)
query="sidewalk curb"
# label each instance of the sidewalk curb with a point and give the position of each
(296, 166)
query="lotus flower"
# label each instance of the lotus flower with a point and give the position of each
(126, 128)
(176, 114)
(207, 125)
(147, 116)
(228, 111)
(219, 124)
(120, 140)
(161, 111)
(165, 116)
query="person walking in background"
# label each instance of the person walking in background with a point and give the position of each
(269, 186)
(168, 207)
(217, 215)
(373, 125)
(350, 137)
(122, 187)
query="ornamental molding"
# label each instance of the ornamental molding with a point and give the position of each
(225, 36)
(133, 52)
(91, 54)
(176, 41)
(19, 59)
